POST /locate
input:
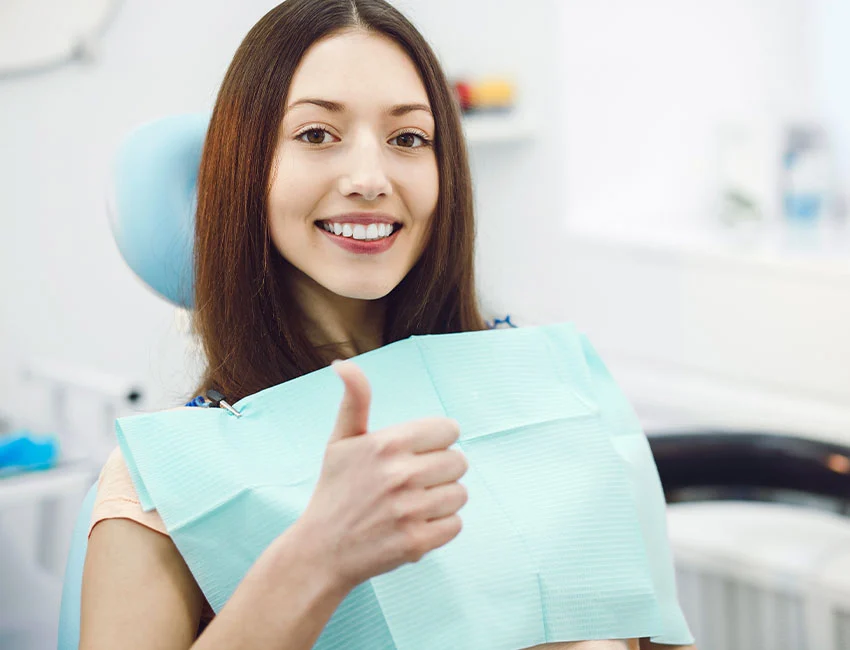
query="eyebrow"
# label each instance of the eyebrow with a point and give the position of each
(337, 107)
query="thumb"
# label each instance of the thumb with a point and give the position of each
(353, 416)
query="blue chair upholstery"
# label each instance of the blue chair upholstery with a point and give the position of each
(69, 614)
(153, 200)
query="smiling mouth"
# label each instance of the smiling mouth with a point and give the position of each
(360, 232)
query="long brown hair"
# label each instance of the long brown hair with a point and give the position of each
(251, 329)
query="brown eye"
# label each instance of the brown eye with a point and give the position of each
(408, 140)
(314, 136)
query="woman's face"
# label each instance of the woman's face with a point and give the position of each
(354, 157)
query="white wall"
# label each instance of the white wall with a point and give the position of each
(646, 86)
(736, 337)
(68, 295)
(830, 50)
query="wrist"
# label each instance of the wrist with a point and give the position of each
(306, 545)
(284, 600)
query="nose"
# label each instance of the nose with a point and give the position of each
(364, 172)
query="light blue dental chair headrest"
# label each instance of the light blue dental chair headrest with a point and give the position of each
(154, 200)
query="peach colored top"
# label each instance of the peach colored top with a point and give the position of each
(117, 499)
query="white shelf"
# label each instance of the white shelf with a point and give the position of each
(497, 128)
(781, 251)
(733, 332)
(55, 482)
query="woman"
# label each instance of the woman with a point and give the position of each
(334, 217)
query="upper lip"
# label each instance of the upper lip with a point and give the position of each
(364, 218)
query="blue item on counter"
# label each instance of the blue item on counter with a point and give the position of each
(806, 175)
(24, 452)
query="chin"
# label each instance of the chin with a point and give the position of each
(372, 291)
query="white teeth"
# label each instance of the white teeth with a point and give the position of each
(359, 231)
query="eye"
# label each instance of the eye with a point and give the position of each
(408, 138)
(315, 135)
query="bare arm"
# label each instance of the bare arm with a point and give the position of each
(138, 594)
(137, 591)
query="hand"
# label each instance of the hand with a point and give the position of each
(384, 498)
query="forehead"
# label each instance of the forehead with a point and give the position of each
(358, 68)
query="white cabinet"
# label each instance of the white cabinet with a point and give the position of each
(757, 339)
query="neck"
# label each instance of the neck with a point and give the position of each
(346, 326)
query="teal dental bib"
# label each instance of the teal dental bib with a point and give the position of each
(564, 535)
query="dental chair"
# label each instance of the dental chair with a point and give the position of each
(151, 210)
(152, 218)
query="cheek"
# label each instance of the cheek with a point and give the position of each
(423, 190)
(291, 199)
(433, 185)
(282, 183)
(428, 192)
(421, 196)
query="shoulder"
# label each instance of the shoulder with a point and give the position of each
(117, 497)
(114, 480)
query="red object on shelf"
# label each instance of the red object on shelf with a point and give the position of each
(463, 91)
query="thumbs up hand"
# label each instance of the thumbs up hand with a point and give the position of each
(353, 416)
(387, 497)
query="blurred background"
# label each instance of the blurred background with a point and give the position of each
(671, 175)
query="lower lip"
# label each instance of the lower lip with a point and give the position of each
(361, 245)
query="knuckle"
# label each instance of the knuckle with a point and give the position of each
(416, 546)
(454, 428)
(400, 511)
(416, 477)
(462, 462)
(417, 554)
(456, 525)
(452, 528)
(395, 477)
(387, 446)
(389, 480)
(461, 495)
